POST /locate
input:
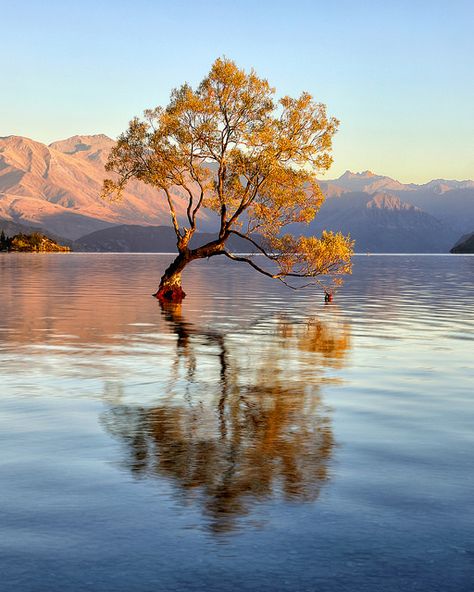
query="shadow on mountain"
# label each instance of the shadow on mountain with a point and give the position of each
(243, 420)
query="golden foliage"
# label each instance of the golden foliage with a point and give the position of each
(228, 145)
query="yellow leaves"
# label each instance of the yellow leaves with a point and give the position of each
(305, 215)
(109, 189)
(112, 190)
(245, 156)
(329, 254)
(230, 118)
(324, 259)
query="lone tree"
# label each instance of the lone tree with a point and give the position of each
(229, 147)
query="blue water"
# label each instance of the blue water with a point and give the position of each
(252, 439)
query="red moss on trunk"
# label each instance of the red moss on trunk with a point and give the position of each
(170, 294)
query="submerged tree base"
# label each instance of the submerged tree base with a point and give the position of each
(170, 294)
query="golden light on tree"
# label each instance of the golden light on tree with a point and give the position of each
(230, 147)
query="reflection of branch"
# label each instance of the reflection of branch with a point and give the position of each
(173, 315)
(224, 386)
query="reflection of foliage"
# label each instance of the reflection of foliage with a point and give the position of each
(319, 338)
(259, 434)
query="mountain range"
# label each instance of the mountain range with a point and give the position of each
(464, 245)
(57, 187)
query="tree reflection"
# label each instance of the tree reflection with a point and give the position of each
(243, 419)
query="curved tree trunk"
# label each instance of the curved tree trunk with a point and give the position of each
(170, 289)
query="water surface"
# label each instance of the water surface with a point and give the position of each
(251, 439)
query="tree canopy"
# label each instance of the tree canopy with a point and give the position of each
(230, 147)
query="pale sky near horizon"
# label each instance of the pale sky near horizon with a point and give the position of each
(399, 74)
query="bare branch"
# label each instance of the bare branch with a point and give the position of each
(251, 263)
(273, 276)
(173, 213)
(259, 247)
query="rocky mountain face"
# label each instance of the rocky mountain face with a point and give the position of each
(57, 188)
(384, 215)
(450, 201)
(11, 228)
(464, 245)
(382, 222)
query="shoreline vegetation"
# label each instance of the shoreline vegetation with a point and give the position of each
(30, 243)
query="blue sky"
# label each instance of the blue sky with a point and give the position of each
(398, 74)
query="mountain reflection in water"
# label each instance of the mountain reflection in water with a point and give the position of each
(243, 418)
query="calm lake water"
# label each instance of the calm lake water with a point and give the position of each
(253, 439)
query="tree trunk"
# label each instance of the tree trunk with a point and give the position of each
(170, 289)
